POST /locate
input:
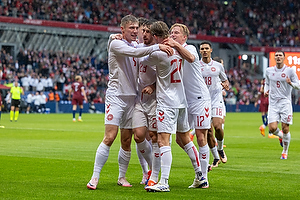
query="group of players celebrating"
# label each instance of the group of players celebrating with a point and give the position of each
(158, 86)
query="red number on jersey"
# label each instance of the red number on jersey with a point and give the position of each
(278, 84)
(143, 68)
(208, 80)
(134, 61)
(178, 68)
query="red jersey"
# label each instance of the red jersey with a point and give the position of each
(76, 87)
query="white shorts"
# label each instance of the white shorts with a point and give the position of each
(145, 115)
(224, 109)
(200, 114)
(217, 104)
(172, 120)
(119, 110)
(281, 110)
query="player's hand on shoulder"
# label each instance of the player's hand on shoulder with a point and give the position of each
(117, 36)
(166, 49)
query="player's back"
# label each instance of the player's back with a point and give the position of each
(76, 87)
(169, 84)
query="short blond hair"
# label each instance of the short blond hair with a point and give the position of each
(183, 27)
(128, 19)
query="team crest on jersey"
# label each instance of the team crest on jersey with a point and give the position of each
(213, 69)
(110, 117)
(283, 75)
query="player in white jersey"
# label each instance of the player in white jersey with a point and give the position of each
(197, 95)
(213, 72)
(142, 160)
(120, 98)
(171, 108)
(144, 115)
(280, 80)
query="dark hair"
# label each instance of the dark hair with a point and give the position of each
(142, 21)
(206, 42)
(160, 29)
(281, 52)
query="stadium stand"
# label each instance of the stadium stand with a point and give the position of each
(54, 52)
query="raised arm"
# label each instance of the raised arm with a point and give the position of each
(185, 54)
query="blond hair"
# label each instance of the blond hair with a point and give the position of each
(183, 27)
(128, 19)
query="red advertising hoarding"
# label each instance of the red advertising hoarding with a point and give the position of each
(292, 59)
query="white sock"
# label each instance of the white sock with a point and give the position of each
(156, 162)
(100, 159)
(286, 139)
(191, 151)
(123, 158)
(146, 151)
(204, 159)
(223, 126)
(220, 144)
(166, 162)
(142, 160)
(215, 153)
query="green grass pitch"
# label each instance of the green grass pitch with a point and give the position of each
(51, 157)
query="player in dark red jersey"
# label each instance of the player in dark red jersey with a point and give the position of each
(79, 95)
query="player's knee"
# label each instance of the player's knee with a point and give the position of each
(138, 137)
(285, 129)
(108, 140)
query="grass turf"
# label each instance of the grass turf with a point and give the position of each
(51, 157)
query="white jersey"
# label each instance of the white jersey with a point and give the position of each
(123, 70)
(147, 76)
(194, 84)
(169, 85)
(213, 72)
(276, 83)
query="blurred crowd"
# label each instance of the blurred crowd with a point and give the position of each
(54, 71)
(275, 23)
(272, 23)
